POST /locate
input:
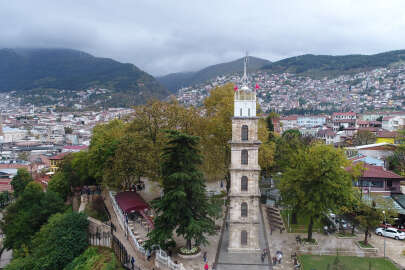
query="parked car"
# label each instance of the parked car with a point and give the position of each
(390, 232)
(401, 227)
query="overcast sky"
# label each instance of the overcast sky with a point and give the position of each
(168, 36)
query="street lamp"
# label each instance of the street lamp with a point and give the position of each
(385, 222)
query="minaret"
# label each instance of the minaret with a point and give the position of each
(244, 219)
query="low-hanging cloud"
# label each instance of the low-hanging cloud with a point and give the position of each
(163, 36)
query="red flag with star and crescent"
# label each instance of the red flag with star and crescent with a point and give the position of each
(235, 88)
(257, 86)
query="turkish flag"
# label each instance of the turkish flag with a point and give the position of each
(257, 86)
(235, 88)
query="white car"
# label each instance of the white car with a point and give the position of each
(390, 232)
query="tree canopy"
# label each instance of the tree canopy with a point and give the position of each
(316, 182)
(25, 217)
(20, 181)
(59, 241)
(183, 188)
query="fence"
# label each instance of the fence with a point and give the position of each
(161, 256)
(100, 239)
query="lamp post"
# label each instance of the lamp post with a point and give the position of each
(385, 221)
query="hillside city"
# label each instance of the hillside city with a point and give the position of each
(377, 89)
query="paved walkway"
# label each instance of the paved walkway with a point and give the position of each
(393, 248)
(140, 260)
(242, 261)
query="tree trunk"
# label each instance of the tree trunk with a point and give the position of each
(354, 226)
(188, 244)
(311, 223)
(366, 237)
(294, 217)
(228, 182)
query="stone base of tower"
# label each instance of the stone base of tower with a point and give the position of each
(252, 244)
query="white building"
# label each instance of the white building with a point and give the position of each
(244, 220)
(311, 121)
(393, 123)
(13, 134)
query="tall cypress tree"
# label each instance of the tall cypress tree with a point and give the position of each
(184, 207)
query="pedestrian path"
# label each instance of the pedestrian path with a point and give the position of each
(140, 260)
(242, 261)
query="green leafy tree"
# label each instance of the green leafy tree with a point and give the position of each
(184, 207)
(102, 148)
(363, 137)
(316, 182)
(369, 217)
(26, 216)
(130, 162)
(59, 184)
(20, 181)
(286, 148)
(59, 241)
(396, 161)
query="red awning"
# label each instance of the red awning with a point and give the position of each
(130, 201)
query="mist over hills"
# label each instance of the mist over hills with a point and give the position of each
(30, 69)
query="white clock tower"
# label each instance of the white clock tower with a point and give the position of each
(244, 214)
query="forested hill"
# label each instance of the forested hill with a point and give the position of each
(176, 80)
(327, 65)
(28, 69)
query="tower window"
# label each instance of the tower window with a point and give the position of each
(245, 133)
(244, 157)
(240, 111)
(243, 237)
(244, 183)
(249, 112)
(243, 209)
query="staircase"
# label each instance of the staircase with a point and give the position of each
(274, 218)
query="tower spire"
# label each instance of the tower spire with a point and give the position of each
(244, 77)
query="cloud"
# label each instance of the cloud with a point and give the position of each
(169, 36)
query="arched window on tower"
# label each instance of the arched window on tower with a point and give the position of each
(243, 237)
(249, 112)
(245, 133)
(244, 157)
(244, 183)
(243, 209)
(240, 111)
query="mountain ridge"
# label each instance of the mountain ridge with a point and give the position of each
(175, 81)
(27, 69)
(334, 65)
(308, 64)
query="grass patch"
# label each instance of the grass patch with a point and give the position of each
(310, 262)
(364, 245)
(302, 223)
(96, 209)
(99, 258)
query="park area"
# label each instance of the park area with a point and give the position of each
(312, 262)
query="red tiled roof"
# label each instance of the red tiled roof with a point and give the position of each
(386, 134)
(362, 122)
(60, 156)
(372, 171)
(371, 129)
(344, 113)
(75, 147)
(290, 117)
